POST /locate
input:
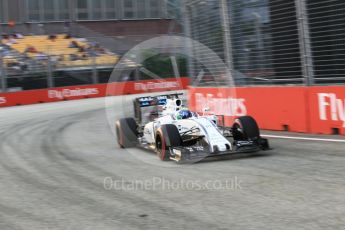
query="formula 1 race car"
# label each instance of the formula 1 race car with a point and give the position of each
(162, 124)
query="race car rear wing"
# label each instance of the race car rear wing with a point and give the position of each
(151, 103)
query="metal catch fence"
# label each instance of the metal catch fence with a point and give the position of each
(271, 42)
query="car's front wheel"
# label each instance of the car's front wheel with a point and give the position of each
(167, 136)
(245, 128)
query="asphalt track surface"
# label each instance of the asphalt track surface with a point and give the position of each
(58, 163)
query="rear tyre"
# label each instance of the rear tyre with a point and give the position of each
(167, 136)
(126, 132)
(245, 128)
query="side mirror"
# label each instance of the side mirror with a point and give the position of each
(206, 109)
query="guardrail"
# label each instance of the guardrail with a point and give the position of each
(316, 109)
(91, 91)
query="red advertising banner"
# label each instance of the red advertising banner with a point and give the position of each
(298, 109)
(327, 109)
(90, 91)
(275, 108)
(319, 110)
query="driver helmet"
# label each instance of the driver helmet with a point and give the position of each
(184, 114)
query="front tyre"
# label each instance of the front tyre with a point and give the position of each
(245, 128)
(167, 136)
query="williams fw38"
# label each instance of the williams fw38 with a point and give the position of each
(162, 124)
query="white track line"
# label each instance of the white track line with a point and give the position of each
(304, 138)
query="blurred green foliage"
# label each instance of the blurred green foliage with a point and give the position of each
(161, 64)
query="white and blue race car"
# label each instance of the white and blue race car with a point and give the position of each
(162, 124)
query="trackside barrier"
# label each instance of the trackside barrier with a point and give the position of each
(319, 110)
(90, 91)
(327, 109)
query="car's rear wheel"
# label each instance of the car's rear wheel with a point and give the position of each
(245, 128)
(126, 132)
(167, 136)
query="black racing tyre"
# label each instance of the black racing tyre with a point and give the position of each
(245, 128)
(167, 136)
(126, 132)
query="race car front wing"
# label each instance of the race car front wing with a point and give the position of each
(198, 153)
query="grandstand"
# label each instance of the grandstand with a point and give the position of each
(64, 51)
(54, 43)
(73, 60)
